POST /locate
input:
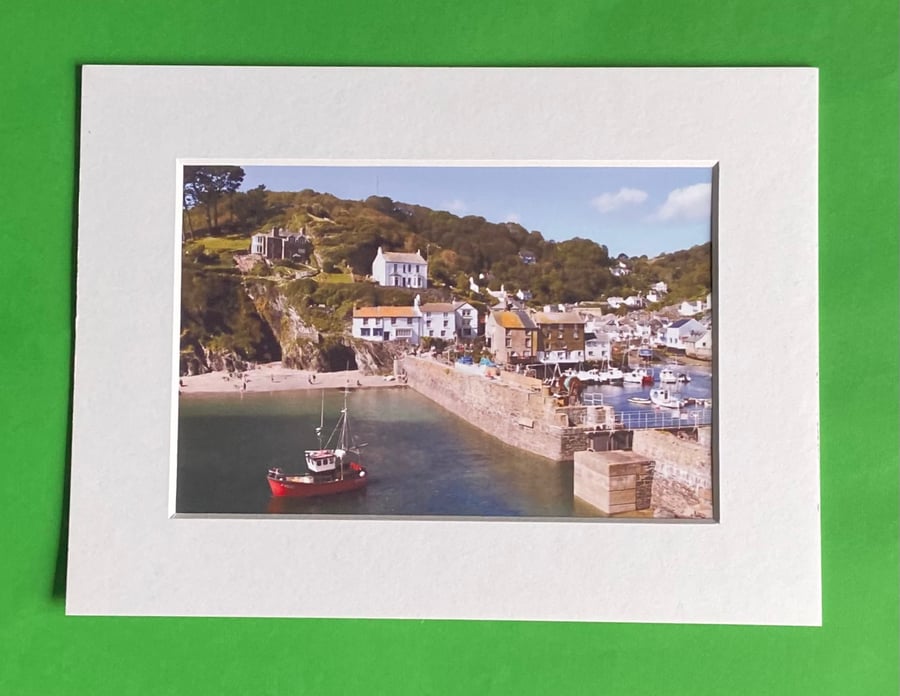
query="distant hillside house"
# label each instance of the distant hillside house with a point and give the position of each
(512, 336)
(689, 309)
(400, 269)
(614, 302)
(278, 243)
(620, 269)
(387, 324)
(527, 257)
(678, 331)
(560, 337)
(466, 320)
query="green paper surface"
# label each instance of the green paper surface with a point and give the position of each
(855, 45)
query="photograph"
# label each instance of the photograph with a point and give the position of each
(455, 341)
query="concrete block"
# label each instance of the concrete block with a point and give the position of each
(622, 497)
(618, 483)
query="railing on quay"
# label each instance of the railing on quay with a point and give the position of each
(675, 418)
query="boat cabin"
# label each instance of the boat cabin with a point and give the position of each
(321, 460)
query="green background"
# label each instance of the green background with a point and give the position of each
(856, 47)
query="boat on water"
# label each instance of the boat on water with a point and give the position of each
(665, 398)
(639, 375)
(683, 378)
(667, 375)
(329, 469)
(640, 400)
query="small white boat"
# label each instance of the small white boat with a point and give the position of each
(639, 375)
(663, 397)
(667, 375)
(639, 400)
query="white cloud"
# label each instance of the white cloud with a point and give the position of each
(688, 203)
(456, 206)
(608, 202)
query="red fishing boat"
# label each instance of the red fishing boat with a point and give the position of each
(329, 470)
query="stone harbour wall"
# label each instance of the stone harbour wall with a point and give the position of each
(519, 416)
(682, 483)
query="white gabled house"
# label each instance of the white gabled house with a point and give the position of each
(678, 331)
(689, 309)
(400, 269)
(466, 320)
(699, 346)
(438, 320)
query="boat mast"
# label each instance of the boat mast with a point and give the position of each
(321, 420)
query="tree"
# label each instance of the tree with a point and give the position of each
(250, 208)
(207, 184)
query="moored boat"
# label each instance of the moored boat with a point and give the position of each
(665, 398)
(329, 470)
(639, 375)
(667, 375)
(640, 400)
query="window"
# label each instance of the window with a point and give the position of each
(377, 332)
(365, 332)
(403, 333)
(508, 341)
(428, 322)
(575, 333)
(431, 332)
(365, 321)
(393, 320)
(467, 312)
(446, 323)
(443, 333)
(409, 321)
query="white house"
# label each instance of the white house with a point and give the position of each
(689, 309)
(620, 269)
(387, 324)
(699, 346)
(438, 320)
(634, 301)
(466, 320)
(614, 302)
(678, 331)
(597, 349)
(660, 287)
(400, 269)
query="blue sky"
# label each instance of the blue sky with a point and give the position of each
(635, 210)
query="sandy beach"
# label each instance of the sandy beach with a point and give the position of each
(275, 377)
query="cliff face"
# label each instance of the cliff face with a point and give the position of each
(305, 347)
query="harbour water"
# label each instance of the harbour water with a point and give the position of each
(423, 460)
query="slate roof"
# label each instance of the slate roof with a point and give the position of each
(402, 257)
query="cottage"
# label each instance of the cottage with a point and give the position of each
(597, 348)
(438, 320)
(466, 320)
(278, 243)
(699, 346)
(527, 257)
(561, 337)
(620, 269)
(400, 269)
(511, 335)
(689, 309)
(614, 302)
(387, 324)
(678, 331)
